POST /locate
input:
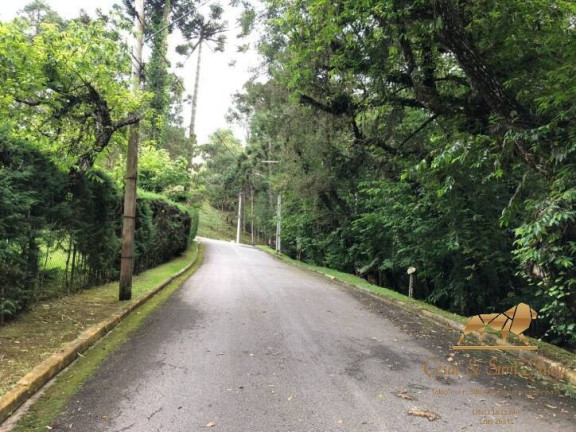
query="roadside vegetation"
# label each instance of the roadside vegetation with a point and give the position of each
(50, 324)
(437, 135)
(41, 415)
(65, 110)
(219, 225)
(382, 134)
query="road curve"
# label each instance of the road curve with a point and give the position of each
(251, 344)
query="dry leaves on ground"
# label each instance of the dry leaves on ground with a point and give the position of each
(424, 413)
(404, 395)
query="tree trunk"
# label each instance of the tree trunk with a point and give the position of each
(129, 221)
(195, 103)
(159, 74)
(454, 36)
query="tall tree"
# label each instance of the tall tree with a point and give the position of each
(199, 32)
(129, 220)
(157, 76)
(435, 134)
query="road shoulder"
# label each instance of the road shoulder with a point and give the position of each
(41, 413)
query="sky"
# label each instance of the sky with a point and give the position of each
(218, 80)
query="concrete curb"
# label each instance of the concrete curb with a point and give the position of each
(544, 365)
(28, 385)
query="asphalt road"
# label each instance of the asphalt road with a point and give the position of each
(251, 344)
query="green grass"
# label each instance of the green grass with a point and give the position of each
(56, 259)
(49, 405)
(553, 352)
(49, 325)
(218, 225)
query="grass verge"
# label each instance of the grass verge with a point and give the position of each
(41, 414)
(218, 225)
(49, 325)
(545, 349)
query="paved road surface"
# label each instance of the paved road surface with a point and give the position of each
(255, 345)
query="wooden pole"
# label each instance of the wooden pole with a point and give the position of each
(252, 215)
(129, 220)
(278, 223)
(239, 217)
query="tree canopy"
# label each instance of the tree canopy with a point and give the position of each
(435, 134)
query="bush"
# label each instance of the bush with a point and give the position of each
(31, 196)
(162, 230)
(80, 221)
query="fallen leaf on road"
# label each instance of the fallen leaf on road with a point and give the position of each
(431, 416)
(405, 395)
(290, 397)
(340, 421)
(211, 424)
(551, 406)
(529, 396)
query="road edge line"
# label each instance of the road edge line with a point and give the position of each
(544, 365)
(42, 373)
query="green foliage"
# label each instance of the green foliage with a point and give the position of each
(438, 135)
(546, 248)
(162, 231)
(194, 222)
(32, 190)
(220, 175)
(160, 173)
(66, 87)
(39, 204)
(66, 99)
(158, 77)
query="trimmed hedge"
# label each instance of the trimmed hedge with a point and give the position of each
(41, 209)
(162, 230)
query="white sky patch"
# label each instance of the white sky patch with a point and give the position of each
(218, 80)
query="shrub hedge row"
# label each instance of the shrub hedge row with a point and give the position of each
(41, 209)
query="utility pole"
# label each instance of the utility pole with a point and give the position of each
(129, 219)
(252, 215)
(239, 217)
(269, 210)
(278, 223)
